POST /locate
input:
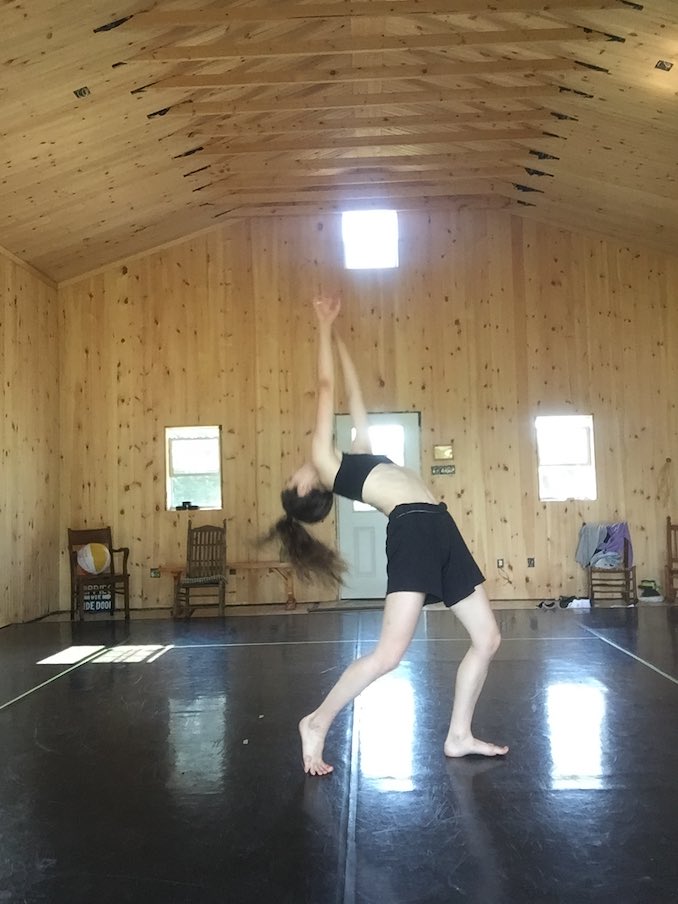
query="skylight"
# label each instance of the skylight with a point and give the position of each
(370, 239)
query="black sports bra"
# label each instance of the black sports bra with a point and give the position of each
(353, 472)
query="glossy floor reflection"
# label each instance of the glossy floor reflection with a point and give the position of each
(177, 778)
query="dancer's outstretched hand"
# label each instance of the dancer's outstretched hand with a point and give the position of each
(327, 308)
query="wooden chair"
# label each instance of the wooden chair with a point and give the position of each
(614, 583)
(113, 581)
(671, 559)
(206, 570)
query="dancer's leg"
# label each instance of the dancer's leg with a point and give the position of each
(401, 613)
(477, 617)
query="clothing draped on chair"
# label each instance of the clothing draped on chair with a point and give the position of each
(205, 573)
(606, 551)
(602, 545)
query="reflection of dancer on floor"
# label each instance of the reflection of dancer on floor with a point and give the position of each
(428, 560)
(471, 784)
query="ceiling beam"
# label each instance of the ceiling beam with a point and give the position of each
(351, 193)
(456, 157)
(254, 164)
(359, 74)
(333, 208)
(221, 50)
(290, 179)
(329, 208)
(268, 128)
(408, 140)
(324, 100)
(195, 18)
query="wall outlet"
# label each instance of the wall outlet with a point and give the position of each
(530, 562)
(500, 563)
(155, 572)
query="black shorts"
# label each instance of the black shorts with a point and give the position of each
(426, 553)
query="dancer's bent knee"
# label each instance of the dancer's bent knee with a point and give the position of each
(385, 661)
(488, 644)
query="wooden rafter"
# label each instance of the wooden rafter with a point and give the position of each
(267, 128)
(375, 8)
(359, 74)
(323, 100)
(458, 157)
(286, 180)
(361, 192)
(320, 208)
(220, 50)
(263, 163)
(409, 140)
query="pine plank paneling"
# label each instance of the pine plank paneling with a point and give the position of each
(490, 320)
(29, 440)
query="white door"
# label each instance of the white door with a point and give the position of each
(361, 528)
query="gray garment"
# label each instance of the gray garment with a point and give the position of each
(590, 538)
(606, 560)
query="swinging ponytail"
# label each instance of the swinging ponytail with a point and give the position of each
(309, 557)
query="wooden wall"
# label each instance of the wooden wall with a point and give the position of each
(29, 440)
(489, 321)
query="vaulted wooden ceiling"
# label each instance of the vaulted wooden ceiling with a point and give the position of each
(123, 128)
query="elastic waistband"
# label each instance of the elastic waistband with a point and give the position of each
(409, 508)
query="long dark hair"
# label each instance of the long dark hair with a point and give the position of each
(310, 557)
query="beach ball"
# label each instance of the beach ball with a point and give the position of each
(94, 558)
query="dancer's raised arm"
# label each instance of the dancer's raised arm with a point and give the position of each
(307, 496)
(356, 405)
(324, 455)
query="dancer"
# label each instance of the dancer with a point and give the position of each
(427, 559)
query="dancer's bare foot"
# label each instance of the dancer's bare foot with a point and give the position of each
(312, 742)
(462, 746)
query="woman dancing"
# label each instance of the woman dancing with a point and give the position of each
(427, 558)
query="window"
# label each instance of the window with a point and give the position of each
(193, 466)
(567, 467)
(370, 239)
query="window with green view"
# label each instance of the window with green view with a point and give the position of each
(193, 456)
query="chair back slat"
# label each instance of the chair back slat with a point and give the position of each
(671, 568)
(206, 550)
(672, 541)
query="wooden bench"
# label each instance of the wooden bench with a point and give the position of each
(283, 569)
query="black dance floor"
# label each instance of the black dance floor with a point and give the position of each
(171, 773)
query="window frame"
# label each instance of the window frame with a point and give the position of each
(174, 504)
(586, 471)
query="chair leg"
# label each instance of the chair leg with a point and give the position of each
(291, 602)
(222, 598)
(126, 598)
